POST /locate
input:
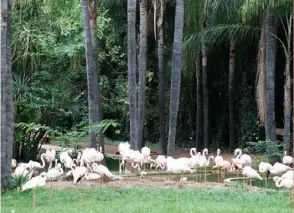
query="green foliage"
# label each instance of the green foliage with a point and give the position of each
(148, 200)
(270, 148)
(18, 181)
(28, 139)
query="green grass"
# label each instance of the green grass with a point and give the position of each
(129, 200)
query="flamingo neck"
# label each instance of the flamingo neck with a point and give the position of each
(239, 152)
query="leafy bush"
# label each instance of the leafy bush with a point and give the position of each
(270, 148)
(28, 139)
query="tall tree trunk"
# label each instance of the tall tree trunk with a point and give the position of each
(160, 54)
(205, 97)
(6, 94)
(231, 95)
(132, 54)
(176, 76)
(270, 59)
(93, 7)
(199, 122)
(91, 74)
(260, 77)
(142, 59)
(287, 92)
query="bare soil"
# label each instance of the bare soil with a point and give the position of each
(146, 182)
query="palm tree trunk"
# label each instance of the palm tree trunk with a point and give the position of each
(93, 6)
(199, 122)
(270, 59)
(91, 74)
(260, 77)
(160, 55)
(142, 58)
(176, 76)
(287, 92)
(205, 96)
(132, 7)
(231, 95)
(6, 94)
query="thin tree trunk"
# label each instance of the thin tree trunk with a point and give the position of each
(93, 7)
(132, 7)
(199, 112)
(205, 97)
(270, 59)
(231, 95)
(142, 59)
(176, 76)
(160, 55)
(91, 74)
(6, 94)
(287, 92)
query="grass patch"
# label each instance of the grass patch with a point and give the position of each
(146, 200)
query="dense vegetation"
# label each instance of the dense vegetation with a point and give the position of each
(231, 92)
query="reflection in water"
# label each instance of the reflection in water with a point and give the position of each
(212, 176)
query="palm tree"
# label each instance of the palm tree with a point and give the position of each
(199, 102)
(142, 59)
(91, 64)
(93, 6)
(159, 13)
(270, 58)
(6, 94)
(132, 7)
(176, 75)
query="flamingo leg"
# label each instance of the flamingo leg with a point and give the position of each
(34, 198)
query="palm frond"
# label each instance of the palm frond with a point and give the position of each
(216, 35)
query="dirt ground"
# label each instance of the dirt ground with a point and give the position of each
(147, 182)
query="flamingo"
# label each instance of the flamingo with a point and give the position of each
(250, 173)
(79, 173)
(146, 155)
(125, 152)
(65, 159)
(218, 158)
(36, 164)
(279, 168)
(50, 156)
(23, 169)
(13, 163)
(35, 182)
(192, 151)
(223, 166)
(92, 176)
(54, 173)
(243, 159)
(91, 155)
(159, 162)
(287, 159)
(265, 167)
(103, 171)
(175, 166)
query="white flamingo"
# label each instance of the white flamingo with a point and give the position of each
(65, 159)
(177, 167)
(79, 173)
(35, 182)
(36, 164)
(13, 163)
(265, 167)
(50, 156)
(23, 169)
(92, 176)
(250, 173)
(218, 158)
(103, 171)
(243, 159)
(287, 159)
(54, 173)
(159, 162)
(279, 168)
